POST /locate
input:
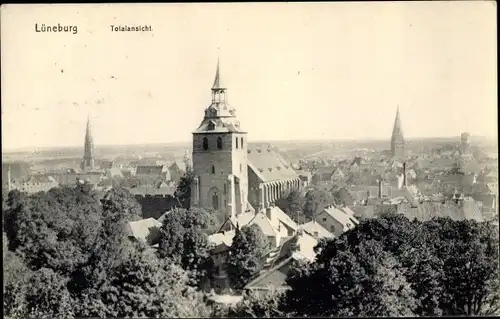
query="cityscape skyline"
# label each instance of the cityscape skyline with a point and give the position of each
(305, 87)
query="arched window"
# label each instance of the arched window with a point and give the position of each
(212, 170)
(219, 143)
(241, 142)
(236, 143)
(215, 201)
(205, 143)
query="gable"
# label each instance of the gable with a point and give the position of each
(274, 278)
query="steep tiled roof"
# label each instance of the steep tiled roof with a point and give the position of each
(284, 218)
(143, 228)
(273, 275)
(341, 217)
(492, 188)
(357, 160)
(180, 164)
(361, 211)
(347, 210)
(274, 278)
(149, 170)
(41, 179)
(471, 210)
(305, 247)
(267, 226)
(270, 166)
(220, 238)
(219, 125)
(313, 228)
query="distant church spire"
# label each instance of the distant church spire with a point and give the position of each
(397, 139)
(88, 153)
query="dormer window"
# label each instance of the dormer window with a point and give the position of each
(219, 143)
(205, 143)
(211, 126)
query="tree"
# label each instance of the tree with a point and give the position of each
(48, 296)
(16, 276)
(316, 200)
(437, 267)
(183, 191)
(183, 239)
(119, 206)
(343, 197)
(469, 253)
(246, 255)
(53, 229)
(142, 285)
(293, 205)
(254, 305)
(349, 282)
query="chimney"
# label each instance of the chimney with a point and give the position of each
(269, 212)
(380, 188)
(404, 174)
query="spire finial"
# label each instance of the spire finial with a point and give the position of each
(217, 81)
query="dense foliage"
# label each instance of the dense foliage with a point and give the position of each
(67, 254)
(391, 266)
(316, 200)
(183, 240)
(183, 191)
(246, 255)
(293, 206)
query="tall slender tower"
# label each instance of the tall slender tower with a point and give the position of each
(465, 149)
(220, 157)
(88, 153)
(397, 139)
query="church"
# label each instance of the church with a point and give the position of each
(397, 139)
(230, 177)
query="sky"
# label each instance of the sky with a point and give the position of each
(293, 71)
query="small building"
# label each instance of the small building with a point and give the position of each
(316, 230)
(152, 174)
(36, 183)
(273, 275)
(335, 220)
(145, 230)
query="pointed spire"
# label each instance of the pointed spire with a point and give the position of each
(397, 139)
(397, 124)
(88, 152)
(217, 81)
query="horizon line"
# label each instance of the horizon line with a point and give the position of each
(97, 146)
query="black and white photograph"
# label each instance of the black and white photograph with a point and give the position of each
(250, 160)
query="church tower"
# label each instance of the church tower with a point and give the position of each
(88, 153)
(220, 157)
(397, 139)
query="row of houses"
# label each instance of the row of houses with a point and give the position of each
(287, 240)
